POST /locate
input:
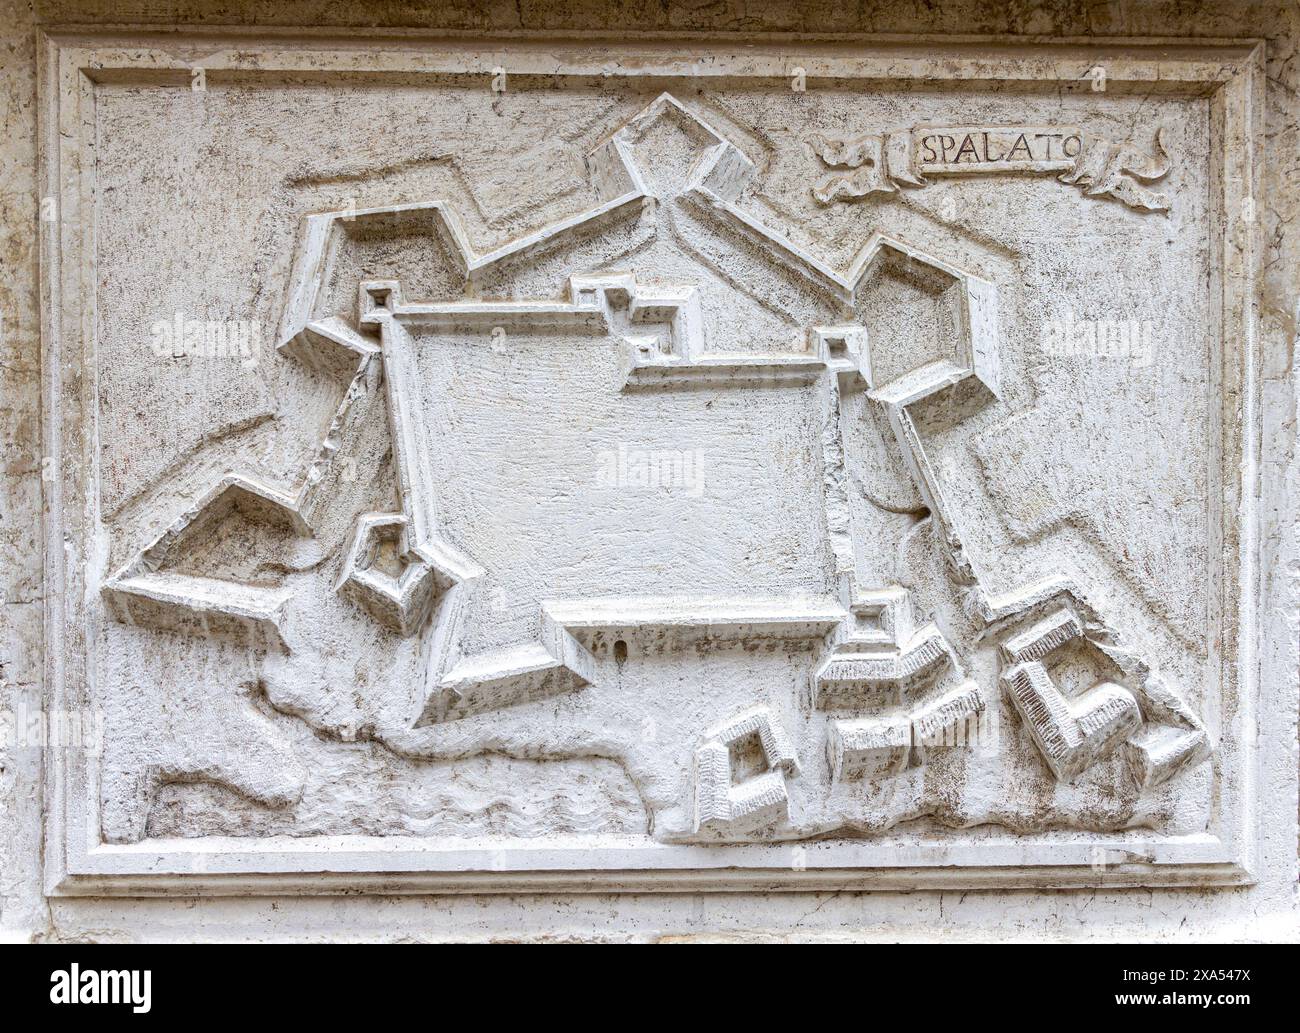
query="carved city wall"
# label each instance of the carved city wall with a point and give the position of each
(501, 465)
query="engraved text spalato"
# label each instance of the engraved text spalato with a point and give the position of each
(941, 149)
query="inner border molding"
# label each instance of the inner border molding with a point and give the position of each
(1028, 624)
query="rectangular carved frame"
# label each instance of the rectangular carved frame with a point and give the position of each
(74, 62)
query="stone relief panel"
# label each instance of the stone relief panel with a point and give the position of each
(522, 473)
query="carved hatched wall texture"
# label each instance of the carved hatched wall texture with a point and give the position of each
(652, 471)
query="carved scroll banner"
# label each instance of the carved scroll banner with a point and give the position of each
(882, 162)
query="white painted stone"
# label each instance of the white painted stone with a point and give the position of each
(684, 482)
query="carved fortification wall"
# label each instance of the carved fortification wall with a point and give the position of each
(548, 471)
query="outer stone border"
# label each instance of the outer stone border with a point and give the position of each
(1230, 73)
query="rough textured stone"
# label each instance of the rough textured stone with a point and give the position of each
(534, 465)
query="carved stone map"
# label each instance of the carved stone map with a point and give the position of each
(492, 465)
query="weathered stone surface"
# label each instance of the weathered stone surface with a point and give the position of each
(536, 465)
